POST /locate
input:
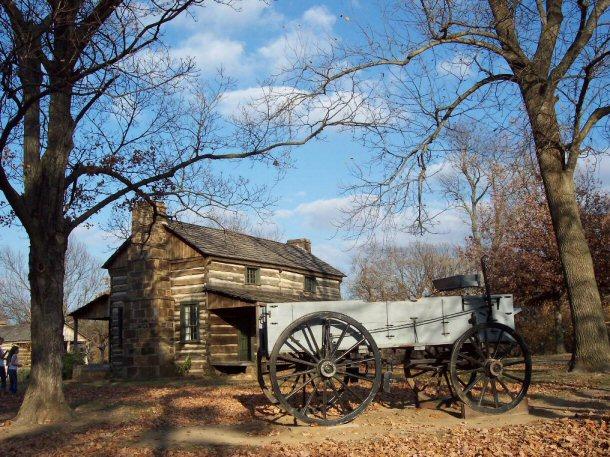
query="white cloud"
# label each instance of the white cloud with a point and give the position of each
(211, 52)
(303, 38)
(459, 66)
(223, 43)
(230, 19)
(319, 16)
(323, 214)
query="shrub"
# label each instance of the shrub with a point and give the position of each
(184, 367)
(69, 360)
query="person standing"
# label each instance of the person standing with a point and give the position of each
(2, 367)
(12, 368)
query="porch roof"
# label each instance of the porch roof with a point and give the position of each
(96, 309)
(259, 296)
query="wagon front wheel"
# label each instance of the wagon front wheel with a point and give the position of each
(490, 368)
(325, 368)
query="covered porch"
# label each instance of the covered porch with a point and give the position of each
(96, 310)
(233, 329)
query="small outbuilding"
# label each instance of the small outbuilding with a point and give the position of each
(20, 335)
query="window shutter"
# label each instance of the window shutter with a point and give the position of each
(182, 324)
(195, 322)
(258, 276)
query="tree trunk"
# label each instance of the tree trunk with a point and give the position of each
(44, 400)
(591, 348)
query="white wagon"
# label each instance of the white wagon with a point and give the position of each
(321, 361)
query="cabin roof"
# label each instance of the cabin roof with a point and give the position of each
(234, 245)
(16, 333)
(21, 333)
(227, 244)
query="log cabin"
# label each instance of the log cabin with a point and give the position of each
(181, 291)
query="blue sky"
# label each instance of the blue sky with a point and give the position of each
(249, 44)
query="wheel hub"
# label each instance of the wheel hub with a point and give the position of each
(494, 368)
(327, 368)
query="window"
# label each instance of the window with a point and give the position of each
(190, 322)
(310, 284)
(253, 275)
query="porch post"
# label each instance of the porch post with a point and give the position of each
(75, 342)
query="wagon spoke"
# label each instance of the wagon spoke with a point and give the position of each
(498, 344)
(477, 345)
(296, 389)
(311, 395)
(513, 362)
(494, 391)
(358, 376)
(470, 359)
(512, 395)
(324, 399)
(485, 343)
(299, 373)
(354, 346)
(355, 362)
(339, 395)
(510, 376)
(298, 343)
(326, 342)
(484, 390)
(471, 370)
(346, 387)
(340, 339)
(473, 383)
(505, 353)
(313, 345)
(295, 360)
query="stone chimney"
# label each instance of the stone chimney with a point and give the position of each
(144, 220)
(301, 243)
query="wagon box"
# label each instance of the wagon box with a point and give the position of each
(427, 321)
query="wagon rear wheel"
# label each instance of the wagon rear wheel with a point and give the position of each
(262, 376)
(325, 368)
(490, 368)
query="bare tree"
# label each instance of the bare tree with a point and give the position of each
(400, 272)
(83, 281)
(94, 111)
(466, 179)
(14, 286)
(494, 60)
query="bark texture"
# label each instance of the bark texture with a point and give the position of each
(44, 401)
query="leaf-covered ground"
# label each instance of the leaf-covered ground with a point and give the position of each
(570, 415)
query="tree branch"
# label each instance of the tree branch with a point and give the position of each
(584, 34)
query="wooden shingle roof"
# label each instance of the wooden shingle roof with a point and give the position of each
(233, 245)
(17, 333)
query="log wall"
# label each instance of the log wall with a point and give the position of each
(226, 274)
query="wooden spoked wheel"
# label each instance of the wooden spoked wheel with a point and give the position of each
(325, 368)
(262, 376)
(490, 368)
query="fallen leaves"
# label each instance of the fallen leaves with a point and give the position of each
(118, 418)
